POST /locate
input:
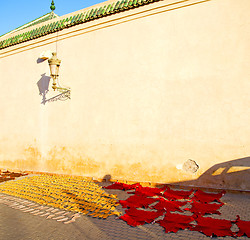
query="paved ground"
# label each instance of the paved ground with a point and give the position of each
(16, 224)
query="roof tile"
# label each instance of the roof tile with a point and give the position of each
(71, 21)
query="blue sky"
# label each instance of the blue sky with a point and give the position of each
(14, 13)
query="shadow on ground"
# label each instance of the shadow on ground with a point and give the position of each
(234, 174)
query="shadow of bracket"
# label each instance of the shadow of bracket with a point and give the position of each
(60, 97)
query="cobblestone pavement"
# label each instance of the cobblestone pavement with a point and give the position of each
(16, 223)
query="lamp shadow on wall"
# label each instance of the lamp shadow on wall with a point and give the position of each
(234, 174)
(43, 86)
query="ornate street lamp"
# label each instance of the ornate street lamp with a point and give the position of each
(54, 64)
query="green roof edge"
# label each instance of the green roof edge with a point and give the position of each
(88, 15)
(17, 29)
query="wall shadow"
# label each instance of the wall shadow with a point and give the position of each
(40, 60)
(233, 174)
(43, 86)
(229, 175)
(106, 178)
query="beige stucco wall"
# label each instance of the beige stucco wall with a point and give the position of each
(150, 88)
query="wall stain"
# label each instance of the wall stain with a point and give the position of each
(63, 160)
(67, 160)
(32, 157)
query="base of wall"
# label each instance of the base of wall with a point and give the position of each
(148, 184)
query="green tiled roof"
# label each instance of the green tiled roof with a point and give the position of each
(41, 19)
(73, 20)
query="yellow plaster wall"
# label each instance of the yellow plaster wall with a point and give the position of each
(150, 89)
